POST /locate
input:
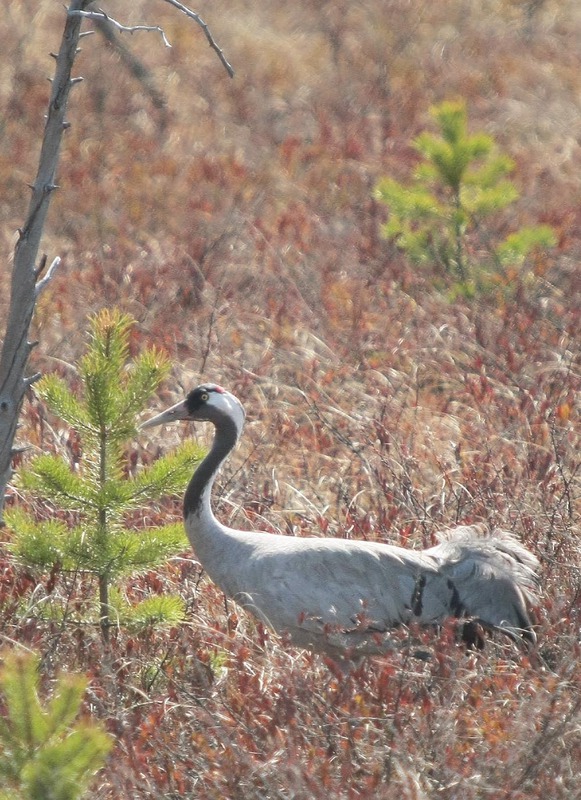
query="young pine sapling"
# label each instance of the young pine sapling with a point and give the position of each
(91, 497)
(46, 753)
(439, 217)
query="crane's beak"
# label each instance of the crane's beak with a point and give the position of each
(173, 414)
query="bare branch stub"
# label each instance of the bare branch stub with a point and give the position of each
(43, 283)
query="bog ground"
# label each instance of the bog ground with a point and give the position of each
(236, 223)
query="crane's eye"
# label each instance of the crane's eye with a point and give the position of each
(204, 397)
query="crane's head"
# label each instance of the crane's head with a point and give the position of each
(206, 403)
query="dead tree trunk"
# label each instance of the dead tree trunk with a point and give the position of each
(26, 285)
(26, 282)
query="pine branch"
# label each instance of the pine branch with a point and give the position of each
(49, 754)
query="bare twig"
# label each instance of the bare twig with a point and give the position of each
(102, 16)
(197, 18)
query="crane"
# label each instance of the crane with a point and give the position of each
(340, 596)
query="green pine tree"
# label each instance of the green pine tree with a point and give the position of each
(45, 752)
(461, 180)
(93, 496)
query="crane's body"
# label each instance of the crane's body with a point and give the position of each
(337, 595)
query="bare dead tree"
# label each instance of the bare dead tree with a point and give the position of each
(29, 279)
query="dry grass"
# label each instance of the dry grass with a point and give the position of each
(238, 227)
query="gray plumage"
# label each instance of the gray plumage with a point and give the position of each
(343, 596)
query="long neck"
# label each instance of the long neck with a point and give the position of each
(197, 502)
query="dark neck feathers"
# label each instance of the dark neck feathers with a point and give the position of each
(200, 485)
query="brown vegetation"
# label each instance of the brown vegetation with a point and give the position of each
(239, 227)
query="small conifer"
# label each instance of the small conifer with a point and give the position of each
(92, 495)
(438, 218)
(45, 752)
